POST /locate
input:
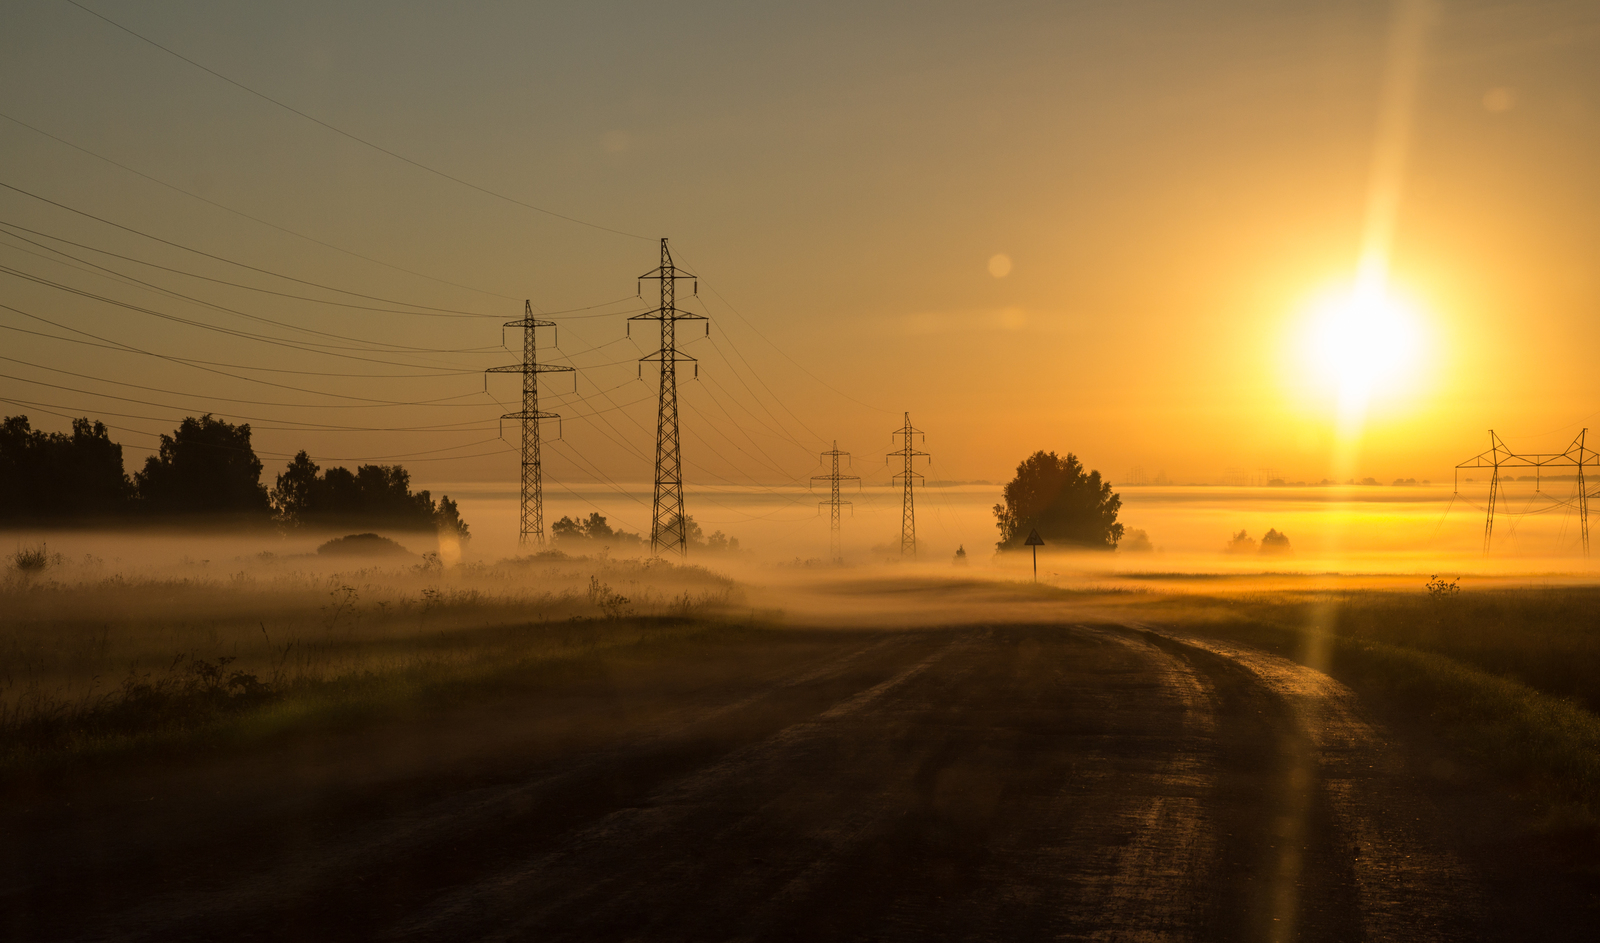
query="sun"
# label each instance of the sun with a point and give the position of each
(1363, 343)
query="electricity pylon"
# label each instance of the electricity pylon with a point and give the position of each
(834, 546)
(1578, 455)
(667, 527)
(908, 511)
(532, 527)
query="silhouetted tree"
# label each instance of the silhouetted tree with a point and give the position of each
(592, 529)
(448, 517)
(371, 496)
(206, 467)
(47, 477)
(293, 493)
(595, 529)
(1136, 541)
(1068, 506)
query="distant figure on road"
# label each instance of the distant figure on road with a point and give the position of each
(961, 555)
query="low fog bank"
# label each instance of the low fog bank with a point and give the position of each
(103, 634)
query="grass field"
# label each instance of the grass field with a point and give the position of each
(94, 663)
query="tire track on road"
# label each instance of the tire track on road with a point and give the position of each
(1409, 886)
(333, 860)
(637, 829)
(1147, 888)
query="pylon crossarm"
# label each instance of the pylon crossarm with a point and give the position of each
(529, 368)
(675, 315)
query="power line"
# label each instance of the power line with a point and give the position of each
(244, 215)
(143, 402)
(217, 281)
(359, 140)
(713, 289)
(54, 410)
(218, 258)
(191, 361)
(367, 345)
(365, 404)
(327, 350)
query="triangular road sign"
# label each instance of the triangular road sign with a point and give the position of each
(1034, 540)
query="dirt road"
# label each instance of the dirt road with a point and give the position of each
(986, 783)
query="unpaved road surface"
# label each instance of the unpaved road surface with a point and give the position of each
(984, 783)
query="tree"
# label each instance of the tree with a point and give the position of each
(206, 467)
(592, 529)
(57, 477)
(448, 518)
(371, 496)
(1068, 507)
(293, 495)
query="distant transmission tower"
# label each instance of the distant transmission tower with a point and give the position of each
(667, 528)
(834, 546)
(1577, 456)
(532, 480)
(908, 511)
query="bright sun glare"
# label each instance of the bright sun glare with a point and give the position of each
(1361, 342)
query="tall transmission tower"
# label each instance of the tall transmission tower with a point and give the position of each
(835, 548)
(532, 527)
(1577, 456)
(908, 510)
(667, 528)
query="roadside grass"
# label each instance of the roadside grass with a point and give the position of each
(97, 667)
(1508, 676)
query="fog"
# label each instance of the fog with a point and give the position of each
(1377, 529)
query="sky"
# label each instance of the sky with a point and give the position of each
(1101, 228)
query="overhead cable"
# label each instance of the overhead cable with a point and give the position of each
(359, 140)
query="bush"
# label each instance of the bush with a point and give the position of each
(362, 545)
(1275, 543)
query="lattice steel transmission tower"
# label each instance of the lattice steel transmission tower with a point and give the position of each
(908, 510)
(1578, 456)
(532, 527)
(667, 529)
(835, 547)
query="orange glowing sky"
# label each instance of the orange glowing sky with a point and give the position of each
(1172, 187)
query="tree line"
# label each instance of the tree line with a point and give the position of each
(594, 531)
(206, 469)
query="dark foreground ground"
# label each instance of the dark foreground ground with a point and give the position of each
(989, 783)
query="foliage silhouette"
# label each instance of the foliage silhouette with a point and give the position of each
(1275, 543)
(594, 529)
(1241, 542)
(363, 545)
(371, 496)
(206, 467)
(1068, 506)
(52, 476)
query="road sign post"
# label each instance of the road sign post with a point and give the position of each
(1034, 541)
